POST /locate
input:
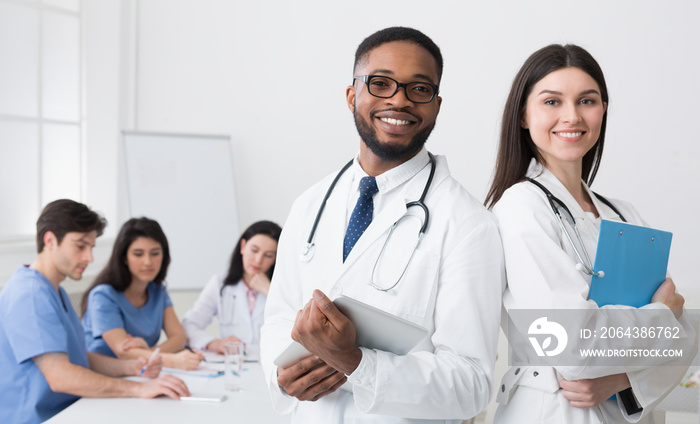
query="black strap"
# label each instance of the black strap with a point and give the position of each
(550, 196)
(610, 205)
(628, 400)
(325, 199)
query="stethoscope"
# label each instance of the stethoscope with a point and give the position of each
(557, 207)
(307, 252)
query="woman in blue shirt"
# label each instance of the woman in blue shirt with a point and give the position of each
(127, 306)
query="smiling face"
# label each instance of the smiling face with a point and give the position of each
(144, 258)
(259, 253)
(564, 113)
(394, 129)
(73, 254)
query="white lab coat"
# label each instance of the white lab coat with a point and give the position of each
(452, 287)
(541, 273)
(231, 309)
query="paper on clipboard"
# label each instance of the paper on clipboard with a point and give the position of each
(634, 260)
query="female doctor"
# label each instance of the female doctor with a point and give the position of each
(127, 307)
(238, 298)
(553, 131)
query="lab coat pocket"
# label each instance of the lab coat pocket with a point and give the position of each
(529, 405)
(227, 308)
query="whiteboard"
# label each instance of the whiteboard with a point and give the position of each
(186, 183)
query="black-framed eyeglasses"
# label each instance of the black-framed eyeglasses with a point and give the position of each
(385, 87)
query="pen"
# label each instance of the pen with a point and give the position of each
(153, 355)
(186, 346)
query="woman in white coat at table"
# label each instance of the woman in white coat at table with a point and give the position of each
(238, 298)
(553, 132)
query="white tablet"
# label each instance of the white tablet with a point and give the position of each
(375, 329)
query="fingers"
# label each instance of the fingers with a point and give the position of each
(301, 323)
(193, 359)
(587, 393)
(133, 342)
(310, 379)
(217, 345)
(141, 362)
(126, 344)
(300, 368)
(176, 385)
(577, 393)
(341, 379)
(328, 309)
(155, 366)
(317, 313)
(666, 294)
(671, 284)
(259, 280)
(189, 360)
(167, 385)
(232, 339)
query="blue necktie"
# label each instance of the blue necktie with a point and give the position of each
(361, 215)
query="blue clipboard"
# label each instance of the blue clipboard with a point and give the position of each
(634, 260)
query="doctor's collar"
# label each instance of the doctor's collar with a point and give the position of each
(396, 176)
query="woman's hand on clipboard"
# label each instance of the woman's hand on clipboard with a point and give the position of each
(666, 294)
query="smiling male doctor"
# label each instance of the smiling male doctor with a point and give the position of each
(452, 285)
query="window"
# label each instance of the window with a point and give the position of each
(41, 118)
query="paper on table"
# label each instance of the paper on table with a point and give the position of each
(204, 370)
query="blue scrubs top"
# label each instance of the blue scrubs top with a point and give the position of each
(34, 319)
(108, 309)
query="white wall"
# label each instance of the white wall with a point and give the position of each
(273, 74)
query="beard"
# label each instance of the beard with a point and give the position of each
(389, 151)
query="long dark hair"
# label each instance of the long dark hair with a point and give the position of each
(116, 273)
(235, 270)
(516, 147)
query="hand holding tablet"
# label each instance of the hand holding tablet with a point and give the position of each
(375, 329)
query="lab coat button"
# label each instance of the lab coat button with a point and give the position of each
(535, 373)
(336, 291)
(503, 388)
(517, 371)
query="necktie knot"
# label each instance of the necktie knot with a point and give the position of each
(368, 186)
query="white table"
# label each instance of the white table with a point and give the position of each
(250, 405)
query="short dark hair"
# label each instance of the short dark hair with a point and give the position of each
(388, 35)
(67, 216)
(116, 273)
(235, 270)
(516, 147)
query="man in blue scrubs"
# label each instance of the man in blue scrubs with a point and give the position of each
(45, 366)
